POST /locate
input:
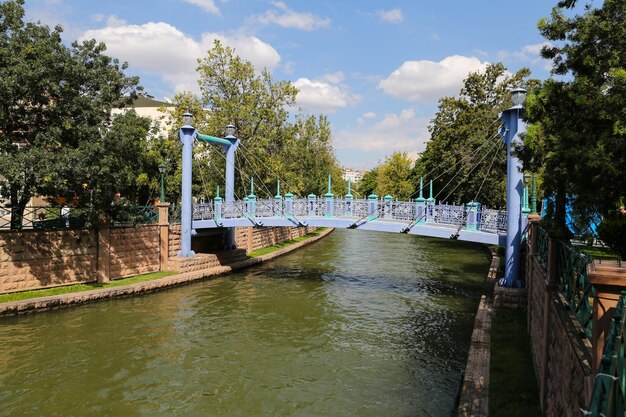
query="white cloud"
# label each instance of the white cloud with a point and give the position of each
(390, 16)
(529, 54)
(428, 80)
(207, 5)
(402, 131)
(322, 96)
(334, 77)
(160, 48)
(365, 116)
(288, 18)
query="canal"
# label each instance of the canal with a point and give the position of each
(358, 324)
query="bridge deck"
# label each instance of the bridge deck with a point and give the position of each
(379, 225)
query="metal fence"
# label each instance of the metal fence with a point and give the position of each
(610, 384)
(571, 269)
(541, 242)
(53, 218)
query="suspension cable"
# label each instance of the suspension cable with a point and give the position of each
(464, 160)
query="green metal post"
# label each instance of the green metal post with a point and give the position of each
(533, 195)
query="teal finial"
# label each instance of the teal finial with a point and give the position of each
(252, 187)
(277, 189)
(421, 187)
(349, 191)
(431, 199)
(218, 198)
(329, 193)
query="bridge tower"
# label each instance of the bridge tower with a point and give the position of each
(188, 134)
(514, 126)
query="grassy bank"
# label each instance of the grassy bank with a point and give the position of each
(24, 295)
(273, 248)
(513, 388)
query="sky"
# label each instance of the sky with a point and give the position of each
(376, 68)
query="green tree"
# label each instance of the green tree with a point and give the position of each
(464, 139)
(272, 147)
(394, 176)
(368, 184)
(55, 109)
(578, 124)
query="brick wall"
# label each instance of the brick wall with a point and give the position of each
(134, 251)
(267, 236)
(562, 358)
(34, 259)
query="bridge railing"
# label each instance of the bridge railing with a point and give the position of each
(609, 390)
(571, 267)
(481, 218)
(493, 220)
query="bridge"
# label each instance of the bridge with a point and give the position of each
(424, 217)
(470, 222)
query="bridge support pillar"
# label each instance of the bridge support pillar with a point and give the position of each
(514, 126)
(186, 134)
(329, 202)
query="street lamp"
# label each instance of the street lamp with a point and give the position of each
(518, 95)
(162, 168)
(230, 131)
(187, 119)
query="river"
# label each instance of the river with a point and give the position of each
(357, 324)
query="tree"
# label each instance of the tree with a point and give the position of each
(464, 139)
(55, 105)
(394, 176)
(576, 138)
(368, 183)
(272, 147)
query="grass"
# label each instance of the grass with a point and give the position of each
(273, 248)
(24, 295)
(599, 252)
(513, 388)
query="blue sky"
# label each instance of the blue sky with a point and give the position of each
(376, 68)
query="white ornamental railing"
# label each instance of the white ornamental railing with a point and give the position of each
(474, 216)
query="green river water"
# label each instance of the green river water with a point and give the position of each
(357, 324)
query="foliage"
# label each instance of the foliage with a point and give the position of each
(394, 176)
(453, 156)
(368, 184)
(299, 152)
(578, 124)
(612, 231)
(56, 136)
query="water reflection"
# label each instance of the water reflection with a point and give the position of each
(359, 323)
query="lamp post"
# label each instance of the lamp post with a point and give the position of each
(513, 127)
(162, 168)
(187, 135)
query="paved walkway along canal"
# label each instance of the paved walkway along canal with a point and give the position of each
(360, 323)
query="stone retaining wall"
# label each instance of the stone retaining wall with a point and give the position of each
(33, 259)
(561, 355)
(510, 297)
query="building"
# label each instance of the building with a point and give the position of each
(353, 175)
(147, 106)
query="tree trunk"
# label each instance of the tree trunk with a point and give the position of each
(18, 205)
